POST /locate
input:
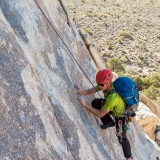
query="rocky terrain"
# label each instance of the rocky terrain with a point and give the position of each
(126, 29)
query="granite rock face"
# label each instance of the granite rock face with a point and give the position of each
(40, 117)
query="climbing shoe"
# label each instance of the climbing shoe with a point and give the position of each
(104, 126)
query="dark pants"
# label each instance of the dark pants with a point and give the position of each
(98, 103)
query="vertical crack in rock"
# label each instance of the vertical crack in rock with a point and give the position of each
(67, 18)
(65, 11)
(14, 18)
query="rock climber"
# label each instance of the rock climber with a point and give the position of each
(109, 109)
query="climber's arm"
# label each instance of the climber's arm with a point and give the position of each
(99, 113)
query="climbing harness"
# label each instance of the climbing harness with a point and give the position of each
(64, 43)
(122, 125)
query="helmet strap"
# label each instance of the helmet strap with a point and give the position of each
(108, 86)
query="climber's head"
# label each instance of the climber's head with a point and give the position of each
(104, 78)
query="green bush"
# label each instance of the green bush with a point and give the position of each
(83, 1)
(87, 30)
(150, 86)
(152, 93)
(139, 83)
(125, 34)
(116, 65)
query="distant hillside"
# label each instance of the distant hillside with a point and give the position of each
(126, 29)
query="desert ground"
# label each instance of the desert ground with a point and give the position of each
(125, 29)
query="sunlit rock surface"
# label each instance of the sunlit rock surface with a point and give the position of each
(40, 117)
(147, 120)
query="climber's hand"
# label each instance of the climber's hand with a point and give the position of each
(82, 100)
(78, 89)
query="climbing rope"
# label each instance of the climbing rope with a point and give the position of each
(64, 44)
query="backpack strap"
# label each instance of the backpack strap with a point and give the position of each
(110, 92)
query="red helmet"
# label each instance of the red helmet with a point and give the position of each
(104, 76)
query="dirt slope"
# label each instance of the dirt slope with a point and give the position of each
(126, 29)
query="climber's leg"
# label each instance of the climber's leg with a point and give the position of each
(106, 120)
